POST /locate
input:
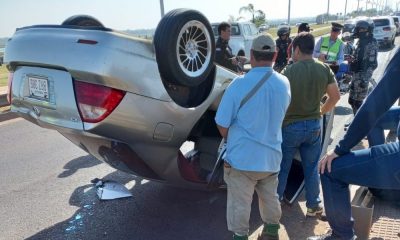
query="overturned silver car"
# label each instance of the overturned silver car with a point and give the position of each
(129, 102)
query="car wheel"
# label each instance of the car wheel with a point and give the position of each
(185, 47)
(82, 21)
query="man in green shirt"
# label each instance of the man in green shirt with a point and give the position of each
(309, 80)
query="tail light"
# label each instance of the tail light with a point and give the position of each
(10, 79)
(386, 29)
(96, 102)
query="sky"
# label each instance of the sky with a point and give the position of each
(145, 14)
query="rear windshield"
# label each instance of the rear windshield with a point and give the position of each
(348, 27)
(234, 29)
(381, 22)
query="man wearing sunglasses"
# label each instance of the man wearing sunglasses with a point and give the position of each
(329, 49)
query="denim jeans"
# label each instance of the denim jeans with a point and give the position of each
(389, 121)
(305, 137)
(376, 167)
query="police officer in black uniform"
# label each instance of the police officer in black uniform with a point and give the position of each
(282, 45)
(364, 63)
(223, 52)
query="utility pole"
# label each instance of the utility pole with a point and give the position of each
(327, 12)
(345, 11)
(385, 6)
(162, 7)
(288, 15)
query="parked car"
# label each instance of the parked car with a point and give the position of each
(385, 30)
(349, 24)
(130, 102)
(242, 35)
(397, 23)
(263, 28)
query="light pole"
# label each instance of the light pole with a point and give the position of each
(327, 11)
(162, 7)
(345, 11)
(288, 15)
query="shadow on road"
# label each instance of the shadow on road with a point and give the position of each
(340, 110)
(74, 165)
(386, 48)
(297, 225)
(156, 211)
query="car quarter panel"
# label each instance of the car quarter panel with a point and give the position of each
(155, 130)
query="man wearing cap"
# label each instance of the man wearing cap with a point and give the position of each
(309, 81)
(252, 129)
(330, 48)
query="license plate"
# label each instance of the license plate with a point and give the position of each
(38, 88)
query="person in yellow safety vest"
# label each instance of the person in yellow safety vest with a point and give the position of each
(330, 48)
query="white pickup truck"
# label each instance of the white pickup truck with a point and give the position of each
(242, 35)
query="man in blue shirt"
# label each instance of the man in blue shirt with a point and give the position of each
(376, 167)
(253, 134)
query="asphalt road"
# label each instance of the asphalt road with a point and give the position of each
(45, 192)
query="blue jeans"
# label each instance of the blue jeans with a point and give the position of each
(305, 137)
(376, 167)
(389, 121)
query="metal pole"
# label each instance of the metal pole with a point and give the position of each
(288, 18)
(385, 5)
(345, 10)
(358, 7)
(162, 7)
(327, 12)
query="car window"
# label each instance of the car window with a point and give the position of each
(235, 31)
(396, 19)
(348, 27)
(247, 30)
(381, 22)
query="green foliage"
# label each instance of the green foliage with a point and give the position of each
(258, 16)
(317, 30)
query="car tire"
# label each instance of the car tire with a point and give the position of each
(82, 21)
(185, 47)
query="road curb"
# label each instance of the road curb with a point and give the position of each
(3, 100)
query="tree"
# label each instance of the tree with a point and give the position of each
(255, 13)
(234, 19)
(260, 19)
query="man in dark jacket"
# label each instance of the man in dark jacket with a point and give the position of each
(376, 167)
(223, 52)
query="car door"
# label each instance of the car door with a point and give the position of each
(249, 33)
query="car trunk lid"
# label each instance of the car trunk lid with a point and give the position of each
(45, 97)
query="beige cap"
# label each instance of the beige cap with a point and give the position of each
(264, 43)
